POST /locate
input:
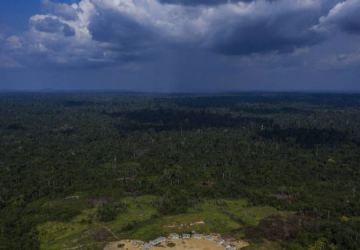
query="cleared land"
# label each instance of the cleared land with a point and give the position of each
(141, 221)
(179, 244)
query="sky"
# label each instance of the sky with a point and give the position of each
(180, 45)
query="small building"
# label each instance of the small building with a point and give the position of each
(174, 236)
(230, 247)
(157, 241)
(146, 246)
(209, 237)
(221, 242)
(197, 236)
(186, 236)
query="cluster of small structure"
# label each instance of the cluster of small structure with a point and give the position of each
(213, 237)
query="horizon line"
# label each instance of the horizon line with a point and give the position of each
(189, 92)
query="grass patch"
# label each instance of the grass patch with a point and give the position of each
(139, 209)
(58, 235)
(250, 215)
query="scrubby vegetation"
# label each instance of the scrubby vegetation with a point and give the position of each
(280, 170)
(108, 212)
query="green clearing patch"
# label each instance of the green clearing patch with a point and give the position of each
(204, 218)
(142, 221)
(79, 231)
(83, 229)
(139, 210)
(59, 235)
(249, 215)
(210, 216)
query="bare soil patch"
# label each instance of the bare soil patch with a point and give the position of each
(178, 244)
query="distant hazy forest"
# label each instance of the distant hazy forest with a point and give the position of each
(291, 151)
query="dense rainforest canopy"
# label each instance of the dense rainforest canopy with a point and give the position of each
(295, 152)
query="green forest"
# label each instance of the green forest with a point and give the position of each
(80, 169)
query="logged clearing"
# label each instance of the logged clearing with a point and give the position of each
(142, 221)
(179, 244)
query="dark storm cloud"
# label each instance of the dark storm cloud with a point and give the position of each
(121, 32)
(111, 32)
(236, 28)
(281, 33)
(344, 16)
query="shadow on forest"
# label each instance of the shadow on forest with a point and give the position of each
(160, 120)
(305, 137)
